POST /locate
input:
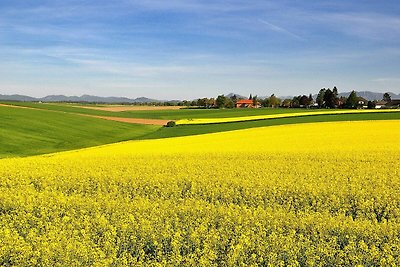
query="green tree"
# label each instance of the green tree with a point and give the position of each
(274, 101)
(335, 96)
(296, 102)
(352, 100)
(255, 100)
(210, 102)
(286, 103)
(371, 104)
(265, 102)
(387, 97)
(310, 99)
(304, 101)
(320, 98)
(234, 99)
(220, 101)
(329, 99)
(229, 103)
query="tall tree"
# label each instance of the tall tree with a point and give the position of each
(310, 99)
(250, 97)
(320, 98)
(335, 96)
(274, 101)
(220, 101)
(296, 101)
(387, 97)
(255, 100)
(352, 100)
(265, 102)
(286, 103)
(371, 104)
(304, 101)
(229, 103)
(234, 99)
(329, 99)
(210, 102)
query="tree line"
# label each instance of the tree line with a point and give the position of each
(326, 98)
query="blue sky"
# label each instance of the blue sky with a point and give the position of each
(190, 49)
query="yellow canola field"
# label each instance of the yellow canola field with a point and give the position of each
(320, 194)
(282, 115)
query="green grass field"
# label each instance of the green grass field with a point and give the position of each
(26, 132)
(185, 113)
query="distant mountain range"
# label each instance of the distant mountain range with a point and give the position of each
(98, 99)
(83, 98)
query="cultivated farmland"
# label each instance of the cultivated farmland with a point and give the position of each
(313, 194)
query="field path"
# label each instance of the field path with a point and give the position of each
(130, 108)
(15, 106)
(130, 120)
(118, 119)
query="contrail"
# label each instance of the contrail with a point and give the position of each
(281, 30)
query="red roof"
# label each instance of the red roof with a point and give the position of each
(245, 101)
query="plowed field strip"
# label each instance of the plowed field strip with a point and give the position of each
(130, 120)
(119, 119)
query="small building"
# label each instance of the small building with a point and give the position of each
(394, 103)
(380, 104)
(245, 103)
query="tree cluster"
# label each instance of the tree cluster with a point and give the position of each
(326, 98)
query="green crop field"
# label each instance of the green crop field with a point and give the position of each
(28, 132)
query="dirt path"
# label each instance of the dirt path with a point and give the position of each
(130, 120)
(15, 106)
(119, 119)
(130, 108)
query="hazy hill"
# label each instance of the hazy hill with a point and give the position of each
(83, 98)
(17, 98)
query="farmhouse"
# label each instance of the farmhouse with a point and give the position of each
(246, 103)
(380, 104)
(394, 103)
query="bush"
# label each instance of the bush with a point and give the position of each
(171, 124)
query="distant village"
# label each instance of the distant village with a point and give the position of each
(326, 98)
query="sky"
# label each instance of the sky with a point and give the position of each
(189, 49)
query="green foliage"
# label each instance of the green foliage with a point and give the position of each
(221, 101)
(171, 124)
(271, 101)
(330, 98)
(387, 97)
(371, 104)
(352, 100)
